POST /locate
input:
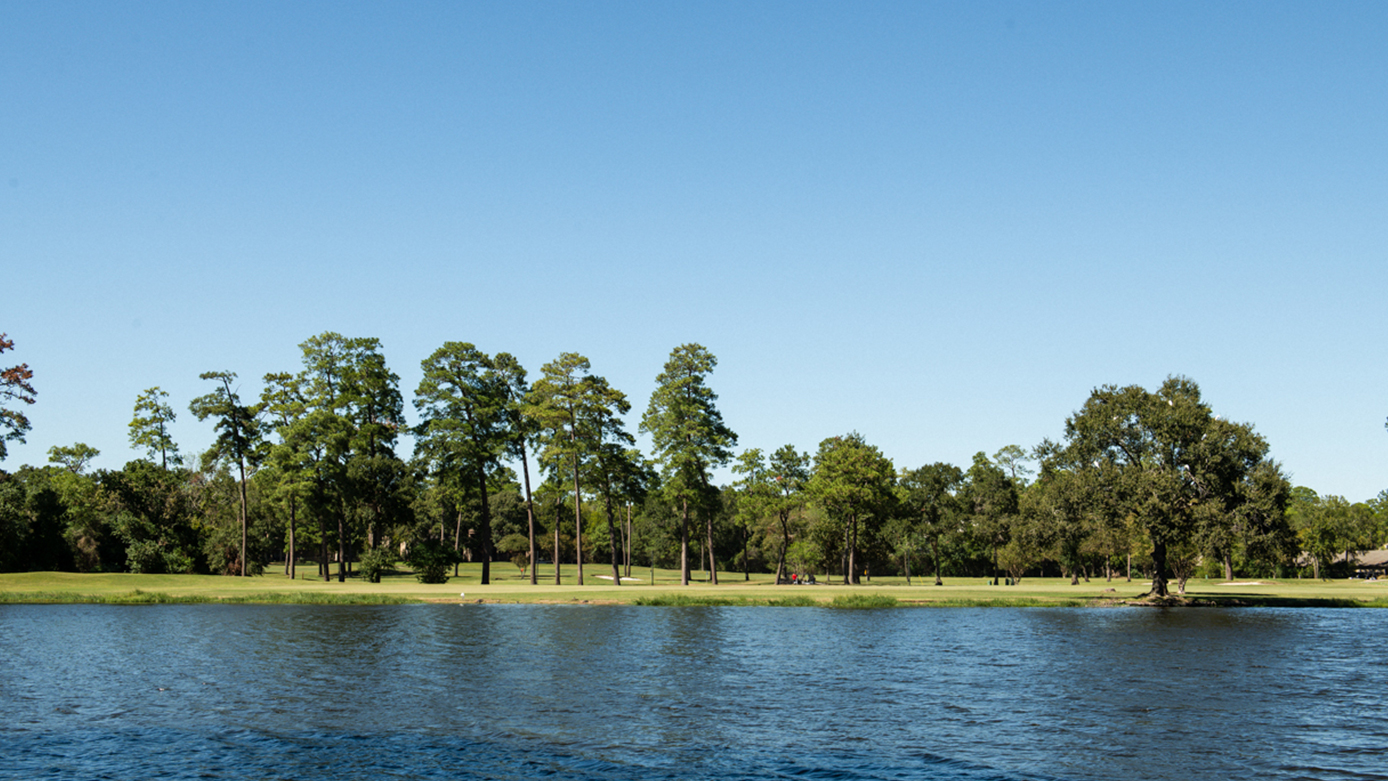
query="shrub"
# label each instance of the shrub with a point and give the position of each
(431, 560)
(375, 563)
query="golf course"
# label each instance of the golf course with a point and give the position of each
(513, 587)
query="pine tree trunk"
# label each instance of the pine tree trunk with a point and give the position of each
(612, 538)
(342, 545)
(323, 549)
(530, 517)
(684, 541)
(781, 556)
(292, 552)
(457, 540)
(578, 521)
(712, 562)
(484, 529)
(242, 462)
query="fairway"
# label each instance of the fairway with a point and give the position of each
(509, 586)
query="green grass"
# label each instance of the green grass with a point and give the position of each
(510, 585)
(139, 597)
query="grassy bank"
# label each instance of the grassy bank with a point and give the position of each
(510, 586)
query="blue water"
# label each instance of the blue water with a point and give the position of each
(616, 692)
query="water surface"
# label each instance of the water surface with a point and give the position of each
(622, 692)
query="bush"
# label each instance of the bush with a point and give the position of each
(430, 560)
(375, 563)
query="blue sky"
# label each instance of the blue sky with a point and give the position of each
(938, 224)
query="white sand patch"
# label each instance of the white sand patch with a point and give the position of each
(1243, 583)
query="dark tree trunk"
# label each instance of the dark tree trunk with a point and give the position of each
(342, 545)
(484, 527)
(457, 540)
(1228, 567)
(853, 568)
(242, 463)
(1159, 571)
(935, 551)
(323, 549)
(612, 536)
(559, 508)
(578, 520)
(530, 517)
(684, 541)
(292, 552)
(781, 555)
(712, 561)
(746, 572)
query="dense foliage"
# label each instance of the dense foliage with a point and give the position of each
(1143, 483)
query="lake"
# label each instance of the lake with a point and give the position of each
(623, 692)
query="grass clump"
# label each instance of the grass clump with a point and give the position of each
(864, 602)
(685, 600)
(796, 601)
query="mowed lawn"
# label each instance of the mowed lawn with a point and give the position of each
(509, 585)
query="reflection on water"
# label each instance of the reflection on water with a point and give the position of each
(523, 692)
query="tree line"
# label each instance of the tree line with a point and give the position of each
(308, 474)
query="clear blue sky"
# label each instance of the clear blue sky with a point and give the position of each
(939, 224)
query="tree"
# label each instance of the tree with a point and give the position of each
(616, 468)
(290, 461)
(557, 403)
(522, 431)
(1172, 465)
(15, 386)
(353, 415)
(689, 437)
(755, 495)
(773, 488)
(238, 433)
(929, 494)
(854, 484)
(149, 428)
(152, 515)
(1012, 459)
(74, 458)
(463, 403)
(991, 498)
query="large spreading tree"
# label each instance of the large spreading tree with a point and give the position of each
(1183, 473)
